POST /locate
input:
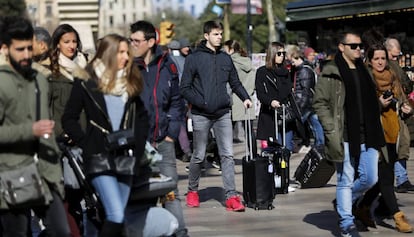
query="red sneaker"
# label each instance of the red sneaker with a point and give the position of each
(234, 204)
(193, 199)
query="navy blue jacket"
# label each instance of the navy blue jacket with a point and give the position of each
(204, 82)
(161, 96)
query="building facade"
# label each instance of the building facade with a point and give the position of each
(115, 16)
(193, 7)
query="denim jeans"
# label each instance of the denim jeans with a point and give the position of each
(114, 195)
(223, 131)
(348, 189)
(145, 220)
(168, 167)
(400, 172)
(288, 139)
(315, 126)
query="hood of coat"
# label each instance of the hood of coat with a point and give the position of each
(244, 63)
(203, 47)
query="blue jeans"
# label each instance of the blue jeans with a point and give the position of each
(114, 196)
(400, 172)
(168, 167)
(315, 126)
(223, 131)
(288, 139)
(349, 190)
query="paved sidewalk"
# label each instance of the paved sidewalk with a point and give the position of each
(305, 212)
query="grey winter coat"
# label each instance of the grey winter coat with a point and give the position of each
(247, 75)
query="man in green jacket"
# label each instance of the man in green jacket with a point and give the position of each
(347, 106)
(26, 131)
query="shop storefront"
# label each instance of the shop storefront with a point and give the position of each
(321, 20)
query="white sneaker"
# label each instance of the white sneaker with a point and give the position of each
(291, 189)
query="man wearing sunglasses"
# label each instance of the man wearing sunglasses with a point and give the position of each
(347, 105)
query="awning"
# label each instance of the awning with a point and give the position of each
(342, 9)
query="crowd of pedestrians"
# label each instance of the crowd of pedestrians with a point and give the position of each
(106, 108)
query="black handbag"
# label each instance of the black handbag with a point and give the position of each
(292, 111)
(119, 156)
(121, 139)
(23, 186)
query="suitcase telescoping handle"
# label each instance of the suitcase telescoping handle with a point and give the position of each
(248, 134)
(283, 125)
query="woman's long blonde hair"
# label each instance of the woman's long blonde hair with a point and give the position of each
(107, 50)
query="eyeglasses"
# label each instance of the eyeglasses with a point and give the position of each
(136, 41)
(280, 53)
(396, 57)
(354, 46)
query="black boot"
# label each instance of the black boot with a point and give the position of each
(112, 229)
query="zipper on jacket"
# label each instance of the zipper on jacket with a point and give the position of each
(154, 94)
(99, 127)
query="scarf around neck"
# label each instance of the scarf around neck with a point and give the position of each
(67, 66)
(120, 84)
(374, 136)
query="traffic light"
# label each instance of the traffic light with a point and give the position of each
(166, 32)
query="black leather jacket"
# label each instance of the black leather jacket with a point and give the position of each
(305, 85)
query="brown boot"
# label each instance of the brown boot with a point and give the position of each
(363, 214)
(401, 223)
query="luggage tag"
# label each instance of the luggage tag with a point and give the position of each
(283, 164)
(278, 181)
(189, 125)
(270, 168)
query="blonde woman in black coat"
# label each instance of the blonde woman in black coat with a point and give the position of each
(110, 99)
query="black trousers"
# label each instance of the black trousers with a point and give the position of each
(16, 222)
(385, 184)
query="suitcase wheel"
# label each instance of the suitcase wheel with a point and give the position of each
(270, 207)
(256, 208)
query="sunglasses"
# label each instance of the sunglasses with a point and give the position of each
(354, 45)
(281, 53)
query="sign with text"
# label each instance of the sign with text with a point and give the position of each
(240, 7)
(223, 1)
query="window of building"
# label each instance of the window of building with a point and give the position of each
(123, 4)
(49, 10)
(111, 21)
(124, 18)
(134, 17)
(134, 4)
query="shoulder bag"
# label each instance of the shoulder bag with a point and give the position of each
(22, 186)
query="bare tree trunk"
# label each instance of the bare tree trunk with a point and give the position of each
(273, 35)
(226, 22)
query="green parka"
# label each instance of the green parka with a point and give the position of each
(17, 114)
(328, 103)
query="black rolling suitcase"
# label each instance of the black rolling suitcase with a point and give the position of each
(257, 176)
(314, 170)
(280, 156)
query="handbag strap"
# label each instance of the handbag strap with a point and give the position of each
(37, 91)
